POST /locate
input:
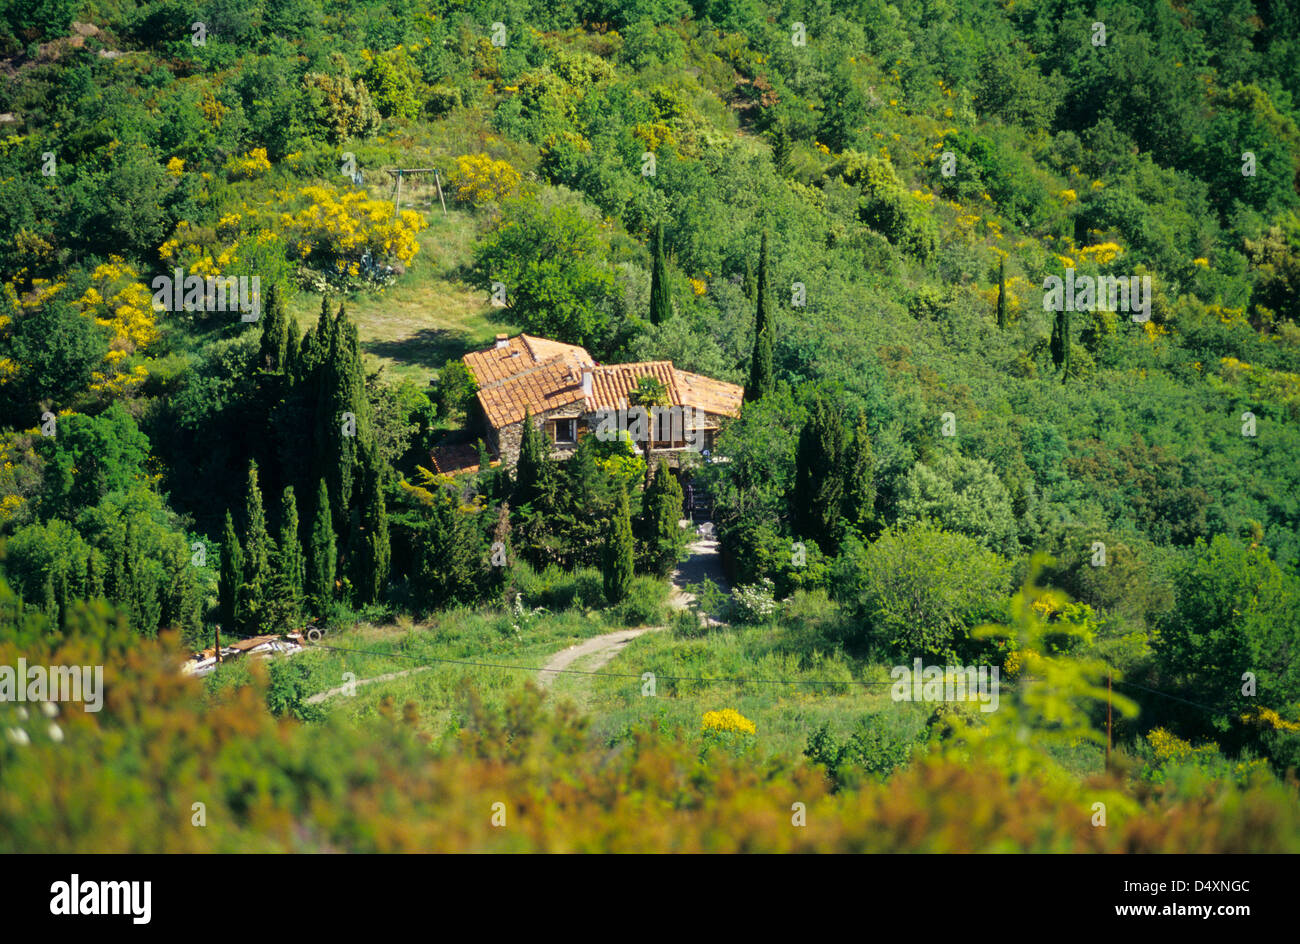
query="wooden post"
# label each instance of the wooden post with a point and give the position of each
(1108, 722)
(217, 632)
(438, 181)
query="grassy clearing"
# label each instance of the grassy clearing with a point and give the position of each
(428, 315)
(470, 635)
(785, 714)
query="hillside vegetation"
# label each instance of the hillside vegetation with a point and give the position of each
(862, 212)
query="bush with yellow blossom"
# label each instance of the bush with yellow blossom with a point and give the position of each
(342, 234)
(478, 179)
(729, 721)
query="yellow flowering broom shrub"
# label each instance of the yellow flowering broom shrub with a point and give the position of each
(728, 721)
(116, 299)
(478, 179)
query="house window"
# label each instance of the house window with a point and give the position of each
(566, 431)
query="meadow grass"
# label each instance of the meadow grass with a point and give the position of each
(785, 714)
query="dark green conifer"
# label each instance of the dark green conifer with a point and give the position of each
(859, 479)
(658, 523)
(321, 555)
(275, 332)
(761, 376)
(617, 565)
(290, 565)
(1002, 293)
(661, 308)
(819, 470)
(232, 576)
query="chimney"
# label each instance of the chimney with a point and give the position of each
(503, 340)
(586, 381)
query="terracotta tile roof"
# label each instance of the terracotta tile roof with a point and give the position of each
(542, 375)
(520, 353)
(547, 386)
(455, 459)
(709, 395)
(544, 349)
(613, 384)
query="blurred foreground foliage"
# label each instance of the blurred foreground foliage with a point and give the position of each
(127, 778)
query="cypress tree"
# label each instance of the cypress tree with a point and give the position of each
(449, 555)
(658, 523)
(859, 479)
(292, 352)
(661, 308)
(618, 558)
(49, 600)
(1002, 293)
(94, 575)
(819, 470)
(232, 576)
(340, 390)
(321, 553)
(535, 472)
(487, 480)
(1060, 343)
(254, 612)
(275, 332)
(761, 379)
(372, 550)
(290, 566)
(496, 573)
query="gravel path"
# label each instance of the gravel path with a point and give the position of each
(704, 561)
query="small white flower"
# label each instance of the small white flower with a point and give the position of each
(49, 708)
(56, 734)
(18, 736)
(22, 714)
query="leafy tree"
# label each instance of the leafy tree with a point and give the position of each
(617, 564)
(919, 591)
(342, 108)
(54, 350)
(1235, 612)
(456, 388)
(89, 457)
(650, 392)
(963, 495)
(551, 258)
(40, 19)
(120, 205)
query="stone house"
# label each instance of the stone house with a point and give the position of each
(570, 396)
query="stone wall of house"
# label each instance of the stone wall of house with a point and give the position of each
(509, 438)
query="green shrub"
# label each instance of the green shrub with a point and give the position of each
(645, 603)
